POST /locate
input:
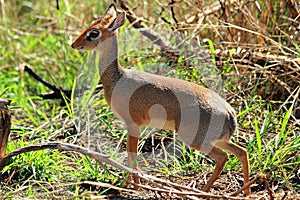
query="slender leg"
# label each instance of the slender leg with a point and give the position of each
(220, 159)
(132, 148)
(242, 155)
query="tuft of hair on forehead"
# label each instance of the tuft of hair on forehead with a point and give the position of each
(103, 21)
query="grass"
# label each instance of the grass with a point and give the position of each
(40, 36)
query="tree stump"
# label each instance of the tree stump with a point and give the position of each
(5, 123)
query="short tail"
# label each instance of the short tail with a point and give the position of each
(232, 122)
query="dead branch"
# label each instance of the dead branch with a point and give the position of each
(281, 70)
(57, 93)
(172, 4)
(57, 5)
(52, 87)
(166, 49)
(161, 185)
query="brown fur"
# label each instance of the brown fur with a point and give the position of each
(202, 119)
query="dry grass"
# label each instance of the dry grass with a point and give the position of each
(260, 38)
(255, 48)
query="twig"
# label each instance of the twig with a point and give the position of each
(172, 4)
(267, 186)
(57, 5)
(245, 186)
(167, 50)
(163, 186)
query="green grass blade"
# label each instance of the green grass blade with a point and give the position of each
(258, 139)
(282, 136)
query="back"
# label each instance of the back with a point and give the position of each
(167, 103)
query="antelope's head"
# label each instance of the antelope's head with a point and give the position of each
(100, 30)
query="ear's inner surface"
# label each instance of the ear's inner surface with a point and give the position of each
(118, 22)
(111, 25)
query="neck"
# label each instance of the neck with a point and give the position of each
(109, 67)
(108, 58)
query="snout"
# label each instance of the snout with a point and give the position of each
(74, 46)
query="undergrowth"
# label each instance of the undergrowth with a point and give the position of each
(38, 34)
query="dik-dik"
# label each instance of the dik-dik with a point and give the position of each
(202, 119)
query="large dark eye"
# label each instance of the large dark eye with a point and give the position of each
(93, 34)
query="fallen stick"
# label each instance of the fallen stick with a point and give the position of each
(162, 185)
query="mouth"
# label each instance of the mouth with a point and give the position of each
(77, 48)
(80, 48)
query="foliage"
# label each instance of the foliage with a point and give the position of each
(35, 32)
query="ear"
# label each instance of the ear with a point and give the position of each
(118, 22)
(111, 11)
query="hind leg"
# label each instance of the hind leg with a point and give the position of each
(220, 159)
(242, 155)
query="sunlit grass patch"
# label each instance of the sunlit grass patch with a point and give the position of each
(40, 35)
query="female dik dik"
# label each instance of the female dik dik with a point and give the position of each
(202, 119)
